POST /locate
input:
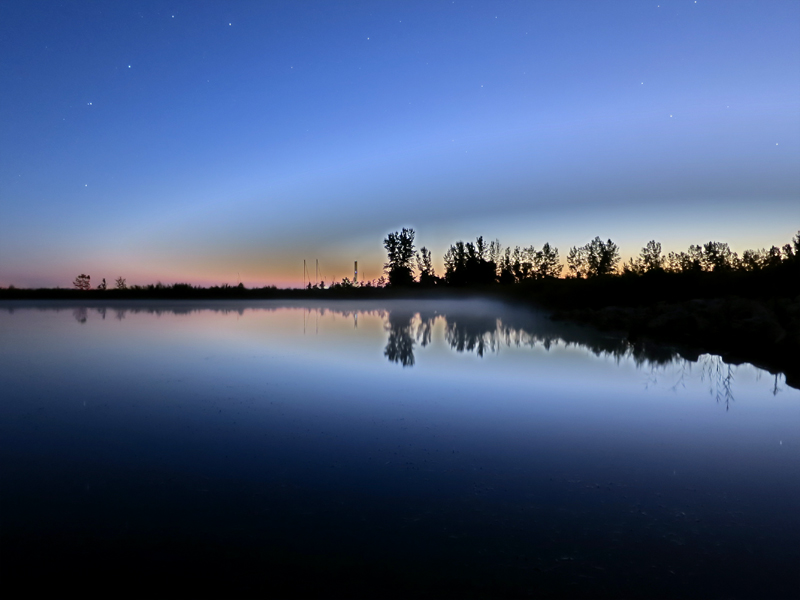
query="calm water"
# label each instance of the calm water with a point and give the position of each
(426, 448)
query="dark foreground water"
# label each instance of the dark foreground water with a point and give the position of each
(395, 449)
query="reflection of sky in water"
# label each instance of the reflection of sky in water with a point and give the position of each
(307, 394)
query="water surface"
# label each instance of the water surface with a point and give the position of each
(429, 448)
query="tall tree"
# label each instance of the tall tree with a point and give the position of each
(506, 268)
(471, 264)
(717, 256)
(400, 250)
(545, 262)
(427, 276)
(577, 262)
(602, 257)
(649, 259)
(650, 256)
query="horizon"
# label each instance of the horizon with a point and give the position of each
(310, 270)
(215, 143)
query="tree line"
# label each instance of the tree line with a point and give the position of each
(482, 263)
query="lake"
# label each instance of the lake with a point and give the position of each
(430, 448)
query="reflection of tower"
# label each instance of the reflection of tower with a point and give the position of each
(355, 272)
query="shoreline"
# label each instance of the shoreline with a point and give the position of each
(739, 330)
(762, 332)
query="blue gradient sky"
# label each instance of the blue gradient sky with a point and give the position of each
(209, 141)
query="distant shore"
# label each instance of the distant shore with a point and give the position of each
(740, 319)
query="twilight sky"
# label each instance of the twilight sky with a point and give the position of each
(210, 142)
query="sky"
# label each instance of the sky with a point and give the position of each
(219, 142)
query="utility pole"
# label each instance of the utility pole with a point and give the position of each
(355, 272)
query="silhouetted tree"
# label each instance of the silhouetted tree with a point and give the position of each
(545, 262)
(594, 259)
(121, 284)
(345, 283)
(650, 256)
(649, 259)
(102, 285)
(82, 282)
(523, 262)
(400, 249)
(495, 251)
(455, 262)
(752, 260)
(633, 267)
(773, 257)
(469, 264)
(577, 262)
(427, 276)
(791, 252)
(686, 262)
(602, 257)
(717, 256)
(756, 260)
(506, 269)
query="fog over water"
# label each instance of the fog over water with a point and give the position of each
(452, 447)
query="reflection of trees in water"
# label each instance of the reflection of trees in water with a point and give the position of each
(479, 335)
(467, 330)
(719, 377)
(486, 334)
(407, 328)
(775, 388)
(400, 346)
(83, 312)
(714, 372)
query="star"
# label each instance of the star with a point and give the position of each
(129, 66)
